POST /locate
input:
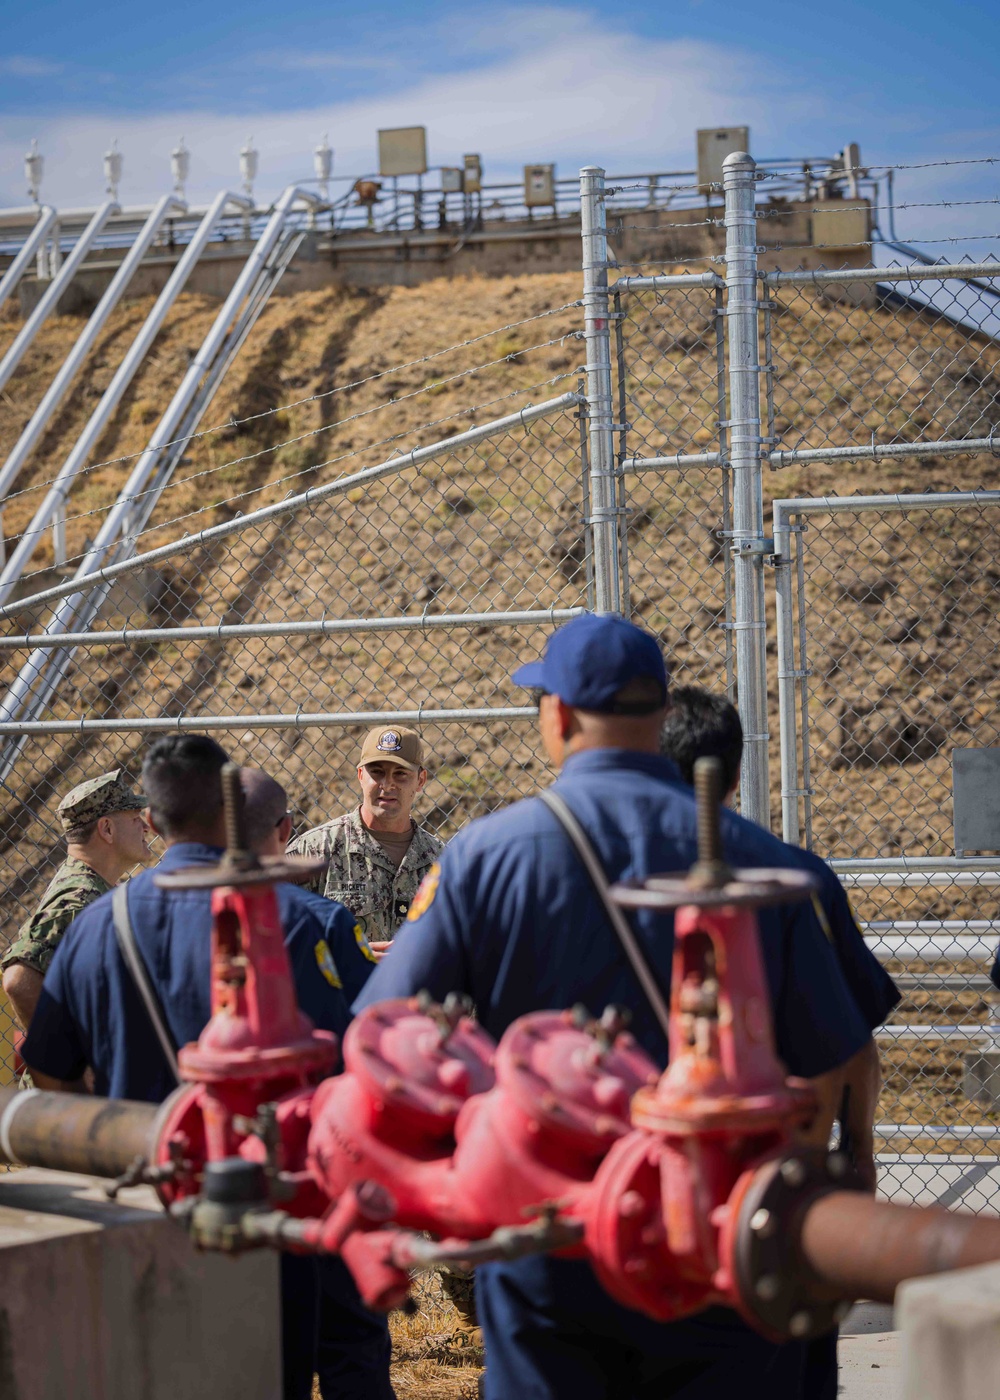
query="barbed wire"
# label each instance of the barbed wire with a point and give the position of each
(823, 207)
(469, 412)
(934, 164)
(233, 422)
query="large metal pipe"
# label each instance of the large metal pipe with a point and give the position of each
(75, 1132)
(21, 342)
(69, 368)
(863, 1248)
(47, 217)
(123, 376)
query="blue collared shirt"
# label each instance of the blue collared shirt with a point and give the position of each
(514, 921)
(89, 1012)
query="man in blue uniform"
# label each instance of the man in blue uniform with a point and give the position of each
(90, 1014)
(508, 916)
(700, 724)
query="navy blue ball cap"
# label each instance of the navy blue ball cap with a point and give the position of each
(589, 660)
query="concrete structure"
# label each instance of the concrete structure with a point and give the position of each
(108, 1300)
(950, 1327)
(500, 247)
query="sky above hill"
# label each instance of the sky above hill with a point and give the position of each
(624, 86)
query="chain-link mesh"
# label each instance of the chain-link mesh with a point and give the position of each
(671, 400)
(899, 632)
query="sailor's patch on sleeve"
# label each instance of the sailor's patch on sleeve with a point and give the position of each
(424, 897)
(326, 964)
(361, 940)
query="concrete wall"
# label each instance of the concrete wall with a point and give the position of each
(109, 1301)
(501, 248)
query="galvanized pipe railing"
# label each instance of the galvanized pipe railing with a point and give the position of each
(50, 298)
(47, 220)
(122, 378)
(69, 368)
(31, 688)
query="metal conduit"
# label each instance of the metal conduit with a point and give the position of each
(70, 366)
(47, 220)
(111, 397)
(59, 284)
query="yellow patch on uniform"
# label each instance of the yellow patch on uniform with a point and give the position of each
(821, 918)
(326, 964)
(362, 942)
(424, 897)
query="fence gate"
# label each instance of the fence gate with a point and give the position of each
(888, 637)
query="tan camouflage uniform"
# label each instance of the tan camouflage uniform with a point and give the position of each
(71, 889)
(361, 876)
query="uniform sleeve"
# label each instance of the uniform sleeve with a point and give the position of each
(311, 843)
(54, 1044)
(317, 981)
(871, 986)
(818, 1025)
(430, 950)
(353, 958)
(36, 943)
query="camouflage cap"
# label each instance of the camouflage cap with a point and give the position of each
(393, 745)
(98, 797)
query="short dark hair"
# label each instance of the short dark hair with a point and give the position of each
(181, 777)
(265, 805)
(80, 835)
(702, 725)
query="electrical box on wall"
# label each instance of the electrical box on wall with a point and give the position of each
(451, 179)
(402, 150)
(714, 144)
(841, 225)
(473, 174)
(539, 185)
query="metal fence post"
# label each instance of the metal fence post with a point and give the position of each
(787, 676)
(603, 494)
(748, 503)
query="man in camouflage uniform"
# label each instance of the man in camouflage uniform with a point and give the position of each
(105, 837)
(376, 855)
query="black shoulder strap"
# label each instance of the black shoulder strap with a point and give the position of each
(616, 917)
(137, 970)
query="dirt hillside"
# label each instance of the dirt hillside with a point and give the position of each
(499, 525)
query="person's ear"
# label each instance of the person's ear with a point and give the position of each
(106, 830)
(421, 779)
(564, 717)
(147, 816)
(285, 829)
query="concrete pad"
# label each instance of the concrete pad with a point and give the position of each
(108, 1300)
(869, 1366)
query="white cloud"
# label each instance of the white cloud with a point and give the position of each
(568, 90)
(20, 65)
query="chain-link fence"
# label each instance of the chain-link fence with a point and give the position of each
(672, 441)
(412, 589)
(888, 666)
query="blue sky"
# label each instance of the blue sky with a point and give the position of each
(623, 85)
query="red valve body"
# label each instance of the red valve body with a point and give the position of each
(464, 1138)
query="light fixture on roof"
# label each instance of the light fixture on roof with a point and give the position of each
(249, 158)
(180, 164)
(34, 165)
(113, 164)
(323, 165)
